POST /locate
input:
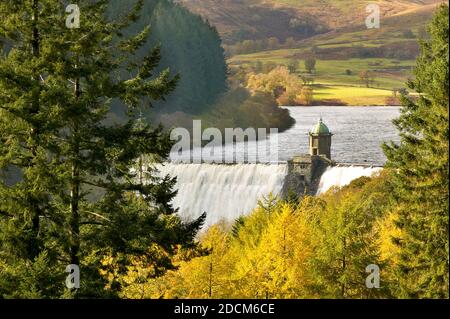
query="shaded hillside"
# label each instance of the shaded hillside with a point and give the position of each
(190, 47)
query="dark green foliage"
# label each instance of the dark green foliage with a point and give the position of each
(190, 46)
(421, 165)
(80, 197)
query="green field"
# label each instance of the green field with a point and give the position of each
(337, 77)
(388, 74)
(331, 80)
(352, 95)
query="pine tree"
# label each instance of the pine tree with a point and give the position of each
(27, 114)
(77, 200)
(420, 171)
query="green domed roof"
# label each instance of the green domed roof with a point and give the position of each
(320, 128)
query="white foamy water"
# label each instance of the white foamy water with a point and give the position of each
(343, 175)
(222, 191)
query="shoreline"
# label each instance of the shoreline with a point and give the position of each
(366, 105)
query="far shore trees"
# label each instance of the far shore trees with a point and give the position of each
(306, 95)
(285, 87)
(366, 77)
(293, 65)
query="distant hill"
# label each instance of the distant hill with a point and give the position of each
(238, 20)
(341, 13)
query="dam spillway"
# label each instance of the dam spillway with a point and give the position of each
(226, 192)
(342, 175)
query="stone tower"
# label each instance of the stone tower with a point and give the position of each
(305, 170)
(320, 140)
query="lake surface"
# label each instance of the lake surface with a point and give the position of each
(358, 135)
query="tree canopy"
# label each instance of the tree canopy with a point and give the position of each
(84, 194)
(421, 165)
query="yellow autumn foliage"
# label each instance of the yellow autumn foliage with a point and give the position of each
(279, 82)
(318, 247)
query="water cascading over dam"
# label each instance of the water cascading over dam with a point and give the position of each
(343, 175)
(223, 191)
(226, 192)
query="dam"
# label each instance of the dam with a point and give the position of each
(228, 191)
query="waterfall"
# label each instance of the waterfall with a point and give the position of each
(343, 175)
(224, 192)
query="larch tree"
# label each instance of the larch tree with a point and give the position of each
(344, 240)
(282, 254)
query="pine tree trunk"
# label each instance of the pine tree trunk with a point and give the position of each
(75, 191)
(74, 216)
(34, 135)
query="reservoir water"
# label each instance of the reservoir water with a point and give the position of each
(358, 135)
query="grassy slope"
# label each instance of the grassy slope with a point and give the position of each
(256, 15)
(331, 80)
(391, 30)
